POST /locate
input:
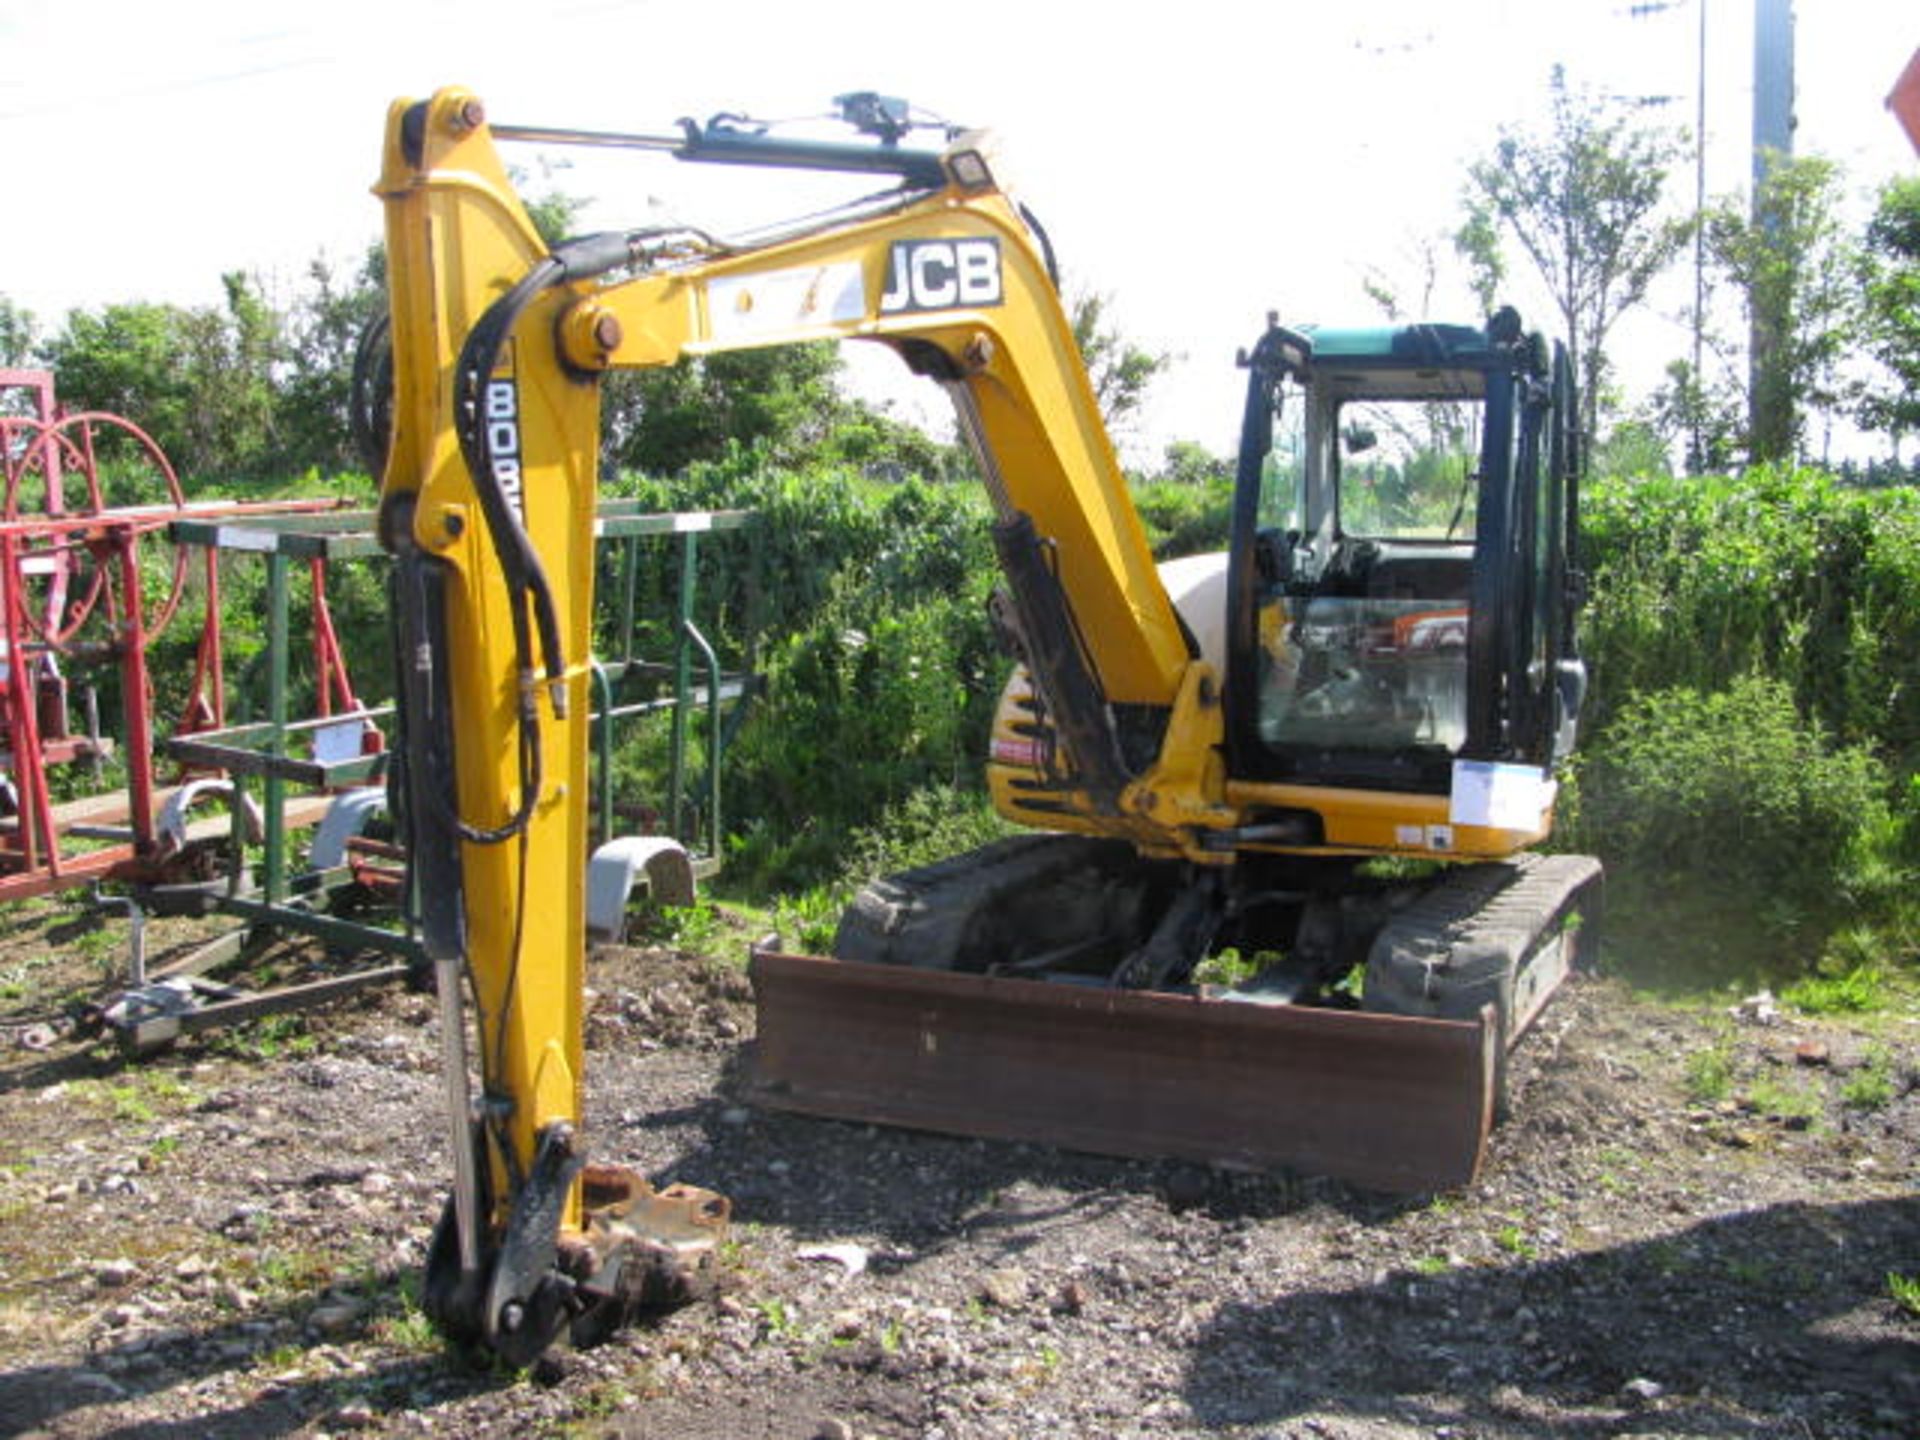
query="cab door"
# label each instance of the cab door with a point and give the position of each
(1526, 681)
(1564, 588)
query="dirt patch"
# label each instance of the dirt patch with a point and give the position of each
(1687, 1229)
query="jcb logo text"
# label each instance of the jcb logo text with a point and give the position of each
(941, 275)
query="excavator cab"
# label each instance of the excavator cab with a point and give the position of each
(1403, 577)
(1393, 622)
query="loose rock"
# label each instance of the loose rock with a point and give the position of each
(1008, 1287)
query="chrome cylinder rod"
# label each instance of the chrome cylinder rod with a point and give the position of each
(453, 1066)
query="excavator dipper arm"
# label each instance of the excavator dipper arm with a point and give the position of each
(488, 507)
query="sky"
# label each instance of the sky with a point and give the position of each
(1200, 163)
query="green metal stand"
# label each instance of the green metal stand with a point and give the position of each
(262, 753)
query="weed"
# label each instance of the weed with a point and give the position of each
(1038, 1369)
(695, 928)
(1859, 990)
(1871, 1086)
(781, 1322)
(14, 976)
(893, 1335)
(927, 826)
(1709, 1074)
(140, 1099)
(810, 917)
(101, 947)
(162, 1148)
(1664, 1257)
(1905, 1292)
(272, 1037)
(291, 1272)
(1686, 771)
(169, 1090)
(1788, 1102)
(411, 1330)
(1399, 867)
(607, 1398)
(1513, 1240)
(1617, 1165)
(127, 1103)
(1432, 1265)
(1229, 969)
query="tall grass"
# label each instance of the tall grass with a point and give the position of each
(1747, 762)
(1779, 572)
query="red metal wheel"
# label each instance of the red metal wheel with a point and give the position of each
(126, 484)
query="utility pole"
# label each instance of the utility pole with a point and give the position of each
(1769, 397)
(1697, 444)
(1696, 437)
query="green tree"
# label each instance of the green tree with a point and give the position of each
(199, 381)
(1795, 269)
(1890, 309)
(782, 401)
(1121, 371)
(1700, 410)
(1187, 462)
(322, 337)
(130, 359)
(321, 334)
(1424, 280)
(553, 212)
(880, 445)
(1632, 448)
(1581, 195)
(1478, 242)
(232, 355)
(17, 330)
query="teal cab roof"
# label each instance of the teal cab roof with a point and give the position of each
(1395, 360)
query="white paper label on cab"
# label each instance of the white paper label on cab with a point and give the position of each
(1503, 797)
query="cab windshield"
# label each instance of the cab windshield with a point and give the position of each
(1370, 493)
(1406, 469)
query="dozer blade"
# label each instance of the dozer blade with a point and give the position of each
(1388, 1102)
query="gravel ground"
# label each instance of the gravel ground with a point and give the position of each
(1687, 1230)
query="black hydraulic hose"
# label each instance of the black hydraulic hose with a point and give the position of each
(526, 577)
(430, 814)
(520, 565)
(370, 395)
(1046, 244)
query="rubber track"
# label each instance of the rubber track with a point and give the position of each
(967, 911)
(1448, 952)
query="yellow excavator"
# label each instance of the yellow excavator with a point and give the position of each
(1276, 906)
